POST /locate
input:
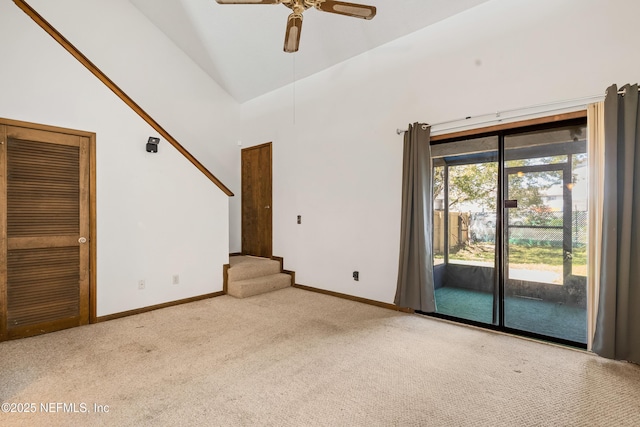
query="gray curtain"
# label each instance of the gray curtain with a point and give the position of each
(415, 275)
(617, 333)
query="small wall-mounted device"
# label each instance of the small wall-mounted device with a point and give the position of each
(356, 276)
(152, 144)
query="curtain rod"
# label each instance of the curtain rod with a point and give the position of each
(573, 103)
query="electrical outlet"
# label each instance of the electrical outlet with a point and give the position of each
(299, 219)
(175, 279)
(356, 276)
(141, 284)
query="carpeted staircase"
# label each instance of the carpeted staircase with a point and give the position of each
(248, 276)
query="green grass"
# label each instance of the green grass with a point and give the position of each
(518, 254)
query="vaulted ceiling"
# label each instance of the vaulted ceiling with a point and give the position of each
(241, 46)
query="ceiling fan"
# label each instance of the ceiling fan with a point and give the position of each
(294, 23)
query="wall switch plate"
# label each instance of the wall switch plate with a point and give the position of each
(141, 284)
(356, 276)
(175, 279)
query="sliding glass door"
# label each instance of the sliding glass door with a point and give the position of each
(510, 231)
(465, 219)
(545, 234)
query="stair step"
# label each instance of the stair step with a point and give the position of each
(258, 285)
(249, 267)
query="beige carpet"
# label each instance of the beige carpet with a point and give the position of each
(296, 358)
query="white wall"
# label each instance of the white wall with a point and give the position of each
(157, 214)
(161, 78)
(337, 160)
(338, 164)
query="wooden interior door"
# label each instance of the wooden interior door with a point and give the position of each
(44, 231)
(256, 201)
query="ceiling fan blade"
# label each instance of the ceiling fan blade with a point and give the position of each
(249, 1)
(292, 36)
(349, 9)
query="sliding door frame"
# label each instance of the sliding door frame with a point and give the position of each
(502, 131)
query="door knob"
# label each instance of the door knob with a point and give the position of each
(267, 207)
(82, 240)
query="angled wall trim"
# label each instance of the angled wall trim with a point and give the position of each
(115, 89)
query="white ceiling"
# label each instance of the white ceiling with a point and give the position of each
(241, 46)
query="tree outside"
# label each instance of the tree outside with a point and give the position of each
(533, 242)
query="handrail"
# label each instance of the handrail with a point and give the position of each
(38, 19)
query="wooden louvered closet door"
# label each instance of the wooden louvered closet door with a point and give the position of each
(44, 277)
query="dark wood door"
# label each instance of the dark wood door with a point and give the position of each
(256, 200)
(44, 231)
